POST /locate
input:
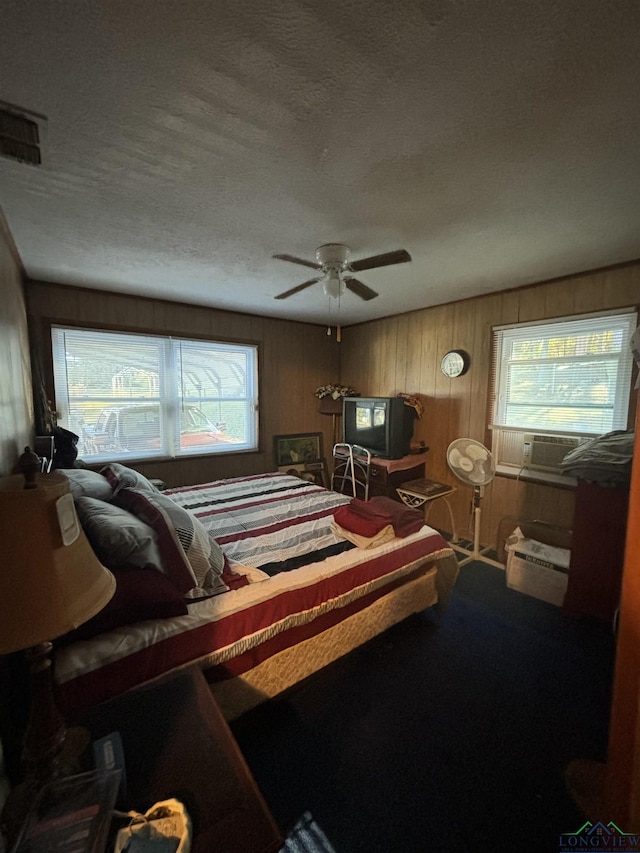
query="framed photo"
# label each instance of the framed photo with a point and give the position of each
(313, 472)
(297, 449)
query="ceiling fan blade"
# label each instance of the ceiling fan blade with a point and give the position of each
(360, 289)
(296, 289)
(293, 260)
(400, 256)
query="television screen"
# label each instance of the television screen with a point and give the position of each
(363, 417)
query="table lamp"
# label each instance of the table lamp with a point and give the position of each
(50, 582)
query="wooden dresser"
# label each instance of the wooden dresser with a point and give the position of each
(597, 552)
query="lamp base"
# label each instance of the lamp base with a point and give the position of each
(22, 797)
(51, 751)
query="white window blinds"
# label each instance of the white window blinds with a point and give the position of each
(144, 396)
(571, 375)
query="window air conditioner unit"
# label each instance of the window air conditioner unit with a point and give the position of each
(546, 452)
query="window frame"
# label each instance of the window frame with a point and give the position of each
(169, 404)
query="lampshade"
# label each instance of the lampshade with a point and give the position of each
(47, 587)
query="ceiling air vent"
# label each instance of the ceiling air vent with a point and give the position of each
(20, 135)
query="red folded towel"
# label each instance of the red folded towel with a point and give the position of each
(382, 509)
(356, 523)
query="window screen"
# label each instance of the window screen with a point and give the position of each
(146, 396)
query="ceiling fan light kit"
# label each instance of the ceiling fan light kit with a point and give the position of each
(333, 286)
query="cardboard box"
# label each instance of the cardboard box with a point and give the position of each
(548, 534)
(537, 568)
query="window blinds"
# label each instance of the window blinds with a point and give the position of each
(151, 396)
(571, 375)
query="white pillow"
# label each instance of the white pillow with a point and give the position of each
(121, 477)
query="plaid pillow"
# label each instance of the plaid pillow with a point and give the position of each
(190, 556)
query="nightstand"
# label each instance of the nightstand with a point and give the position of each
(176, 743)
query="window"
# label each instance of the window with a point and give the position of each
(148, 396)
(568, 377)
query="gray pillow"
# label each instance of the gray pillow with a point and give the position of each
(86, 483)
(120, 477)
(117, 536)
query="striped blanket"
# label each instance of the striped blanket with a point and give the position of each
(273, 522)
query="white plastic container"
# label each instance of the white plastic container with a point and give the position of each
(537, 569)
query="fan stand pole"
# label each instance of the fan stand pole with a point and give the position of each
(477, 553)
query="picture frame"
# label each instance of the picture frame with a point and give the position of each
(297, 449)
(312, 472)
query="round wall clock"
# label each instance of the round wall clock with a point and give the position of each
(454, 363)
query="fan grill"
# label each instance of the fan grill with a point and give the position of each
(471, 462)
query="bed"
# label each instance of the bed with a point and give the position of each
(287, 594)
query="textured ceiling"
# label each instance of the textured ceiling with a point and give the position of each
(188, 141)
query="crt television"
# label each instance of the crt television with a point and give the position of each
(382, 425)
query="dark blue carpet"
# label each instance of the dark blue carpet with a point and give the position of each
(446, 733)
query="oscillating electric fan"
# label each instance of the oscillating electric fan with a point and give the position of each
(473, 464)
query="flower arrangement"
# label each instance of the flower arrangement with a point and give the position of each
(334, 391)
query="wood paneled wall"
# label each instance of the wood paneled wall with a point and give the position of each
(383, 357)
(16, 412)
(403, 353)
(295, 358)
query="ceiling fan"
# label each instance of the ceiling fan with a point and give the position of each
(332, 261)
